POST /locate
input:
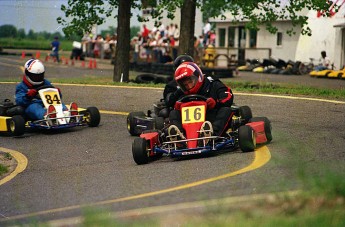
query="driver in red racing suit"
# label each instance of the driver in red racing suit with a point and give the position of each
(191, 80)
(26, 91)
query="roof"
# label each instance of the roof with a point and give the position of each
(342, 25)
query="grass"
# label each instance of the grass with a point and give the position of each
(251, 87)
(4, 168)
(267, 88)
(43, 44)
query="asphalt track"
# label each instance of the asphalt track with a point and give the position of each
(74, 170)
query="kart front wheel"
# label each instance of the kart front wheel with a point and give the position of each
(92, 116)
(132, 122)
(139, 151)
(246, 138)
(17, 125)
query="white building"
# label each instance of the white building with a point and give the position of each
(327, 34)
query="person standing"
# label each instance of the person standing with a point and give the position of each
(55, 45)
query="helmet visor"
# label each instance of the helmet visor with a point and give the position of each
(187, 82)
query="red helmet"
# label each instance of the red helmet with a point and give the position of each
(189, 77)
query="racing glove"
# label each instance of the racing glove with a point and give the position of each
(211, 103)
(31, 93)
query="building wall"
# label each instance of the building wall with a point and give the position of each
(324, 37)
(286, 51)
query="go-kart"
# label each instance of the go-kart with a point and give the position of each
(14, 122)
(138, 122)
(244, 132)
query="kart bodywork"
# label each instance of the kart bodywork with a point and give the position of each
(14, 122)
(244, 132)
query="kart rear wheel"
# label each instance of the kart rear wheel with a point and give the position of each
(139, 151)
(268, 127)
(245, 113)
(92, 116)
(17, 125)
(131, 122)
(246, 138)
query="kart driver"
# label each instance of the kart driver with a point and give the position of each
(191, 80)
(26, 92)
(170, 90)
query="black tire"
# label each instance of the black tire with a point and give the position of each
(159, 123)
(146, 78)
(92, 116)
(245, 113)
(268, 127)
(246, 138)
(131, 122)
(17, 125)
(139, 151)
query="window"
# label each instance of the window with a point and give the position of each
(221, 36)
(231, 37)
(279, 39)
(252, 40)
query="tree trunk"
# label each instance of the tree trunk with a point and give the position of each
(186, 40)
(121, 66)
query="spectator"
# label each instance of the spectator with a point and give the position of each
(135, 46)
(55, 45)
(98, 46)
(206, 30)
(325, 62)
(106, 47)
(145, 32)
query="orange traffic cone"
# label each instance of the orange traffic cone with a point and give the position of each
(23, 54)
(38, 54)
(94, 63)
(72, 63)
(47, 58)
(66, 61)
(90, 63)
(83, 64)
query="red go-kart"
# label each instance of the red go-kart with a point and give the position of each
(244, 132)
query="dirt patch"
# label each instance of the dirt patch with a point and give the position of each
(8, 161)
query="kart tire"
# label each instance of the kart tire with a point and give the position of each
(93, 117)
(146, 78)
(246, 138)
(245, 113)
(159, 123)
(268, 127)
(17, 125)
(131, 122)
(139, 151)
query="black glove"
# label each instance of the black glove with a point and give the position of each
(178, 93)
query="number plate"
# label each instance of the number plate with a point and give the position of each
(50, 97)
(193, 114)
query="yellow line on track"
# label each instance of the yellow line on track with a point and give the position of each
(22, 163)
(262, 156)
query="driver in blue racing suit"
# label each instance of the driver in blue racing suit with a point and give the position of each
(26, 91)
(191, 80)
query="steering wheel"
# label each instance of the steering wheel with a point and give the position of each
(189, 98)
(44, 87)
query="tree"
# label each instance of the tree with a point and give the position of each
(83, 14)
(8, 31)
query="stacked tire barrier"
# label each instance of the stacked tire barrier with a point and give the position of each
(163, 73)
